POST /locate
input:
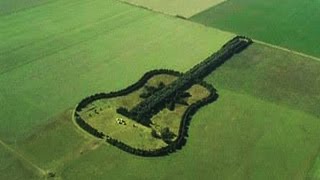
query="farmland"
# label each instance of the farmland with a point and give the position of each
(86, 55)
(264, 125)
(292, 24)
(258, 128)
(252, 134)
(184, 8)
(13, 6)
(10, 164)
(260, 149)
(55, 54)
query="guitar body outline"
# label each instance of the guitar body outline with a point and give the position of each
(153, 104)
(180, 140)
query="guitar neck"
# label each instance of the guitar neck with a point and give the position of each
(143, 111)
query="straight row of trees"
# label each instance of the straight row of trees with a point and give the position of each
(143, 111)
(140, 83)
(183, 131)
(194, 75)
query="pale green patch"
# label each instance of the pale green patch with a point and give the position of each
(184, 8)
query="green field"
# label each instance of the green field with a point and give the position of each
(293, 24)
(264, 125)
(81, 50)
(14, 6)
(286, 126)
(184, 8)
(252, 134)
(10, 164)
(244, 135)
(53, 55)
(238, 145)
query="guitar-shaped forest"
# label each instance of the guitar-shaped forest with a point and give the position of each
(152, 116)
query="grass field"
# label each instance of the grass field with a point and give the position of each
(248, 139)
(292, 24)
(185, 8)
(265, 124)
(10, 164)
(289, 87)
(54, 54)
(274, 75)
(80, 50)
(13, 6)
(244, 135)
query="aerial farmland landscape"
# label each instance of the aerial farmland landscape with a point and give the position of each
(150, 89)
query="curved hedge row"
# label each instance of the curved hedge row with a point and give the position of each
(127, 90)
(183, 130)
(232, 47)
(82, 123)
(180, 140)
(177, 144)
(83, 103)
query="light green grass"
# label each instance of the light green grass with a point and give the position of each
(293, 24)
(185, 8)
(54, 55)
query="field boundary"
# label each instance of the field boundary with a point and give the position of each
(142, 6)
(287, 50)
(267, 44)
(209, 7)
(264, 43)
(255, 40)
(18, 155)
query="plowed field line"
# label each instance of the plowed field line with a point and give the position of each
(22, 158)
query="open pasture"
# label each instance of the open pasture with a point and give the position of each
(293, 24)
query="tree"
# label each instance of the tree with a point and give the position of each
(167, 135)
(155, 134)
